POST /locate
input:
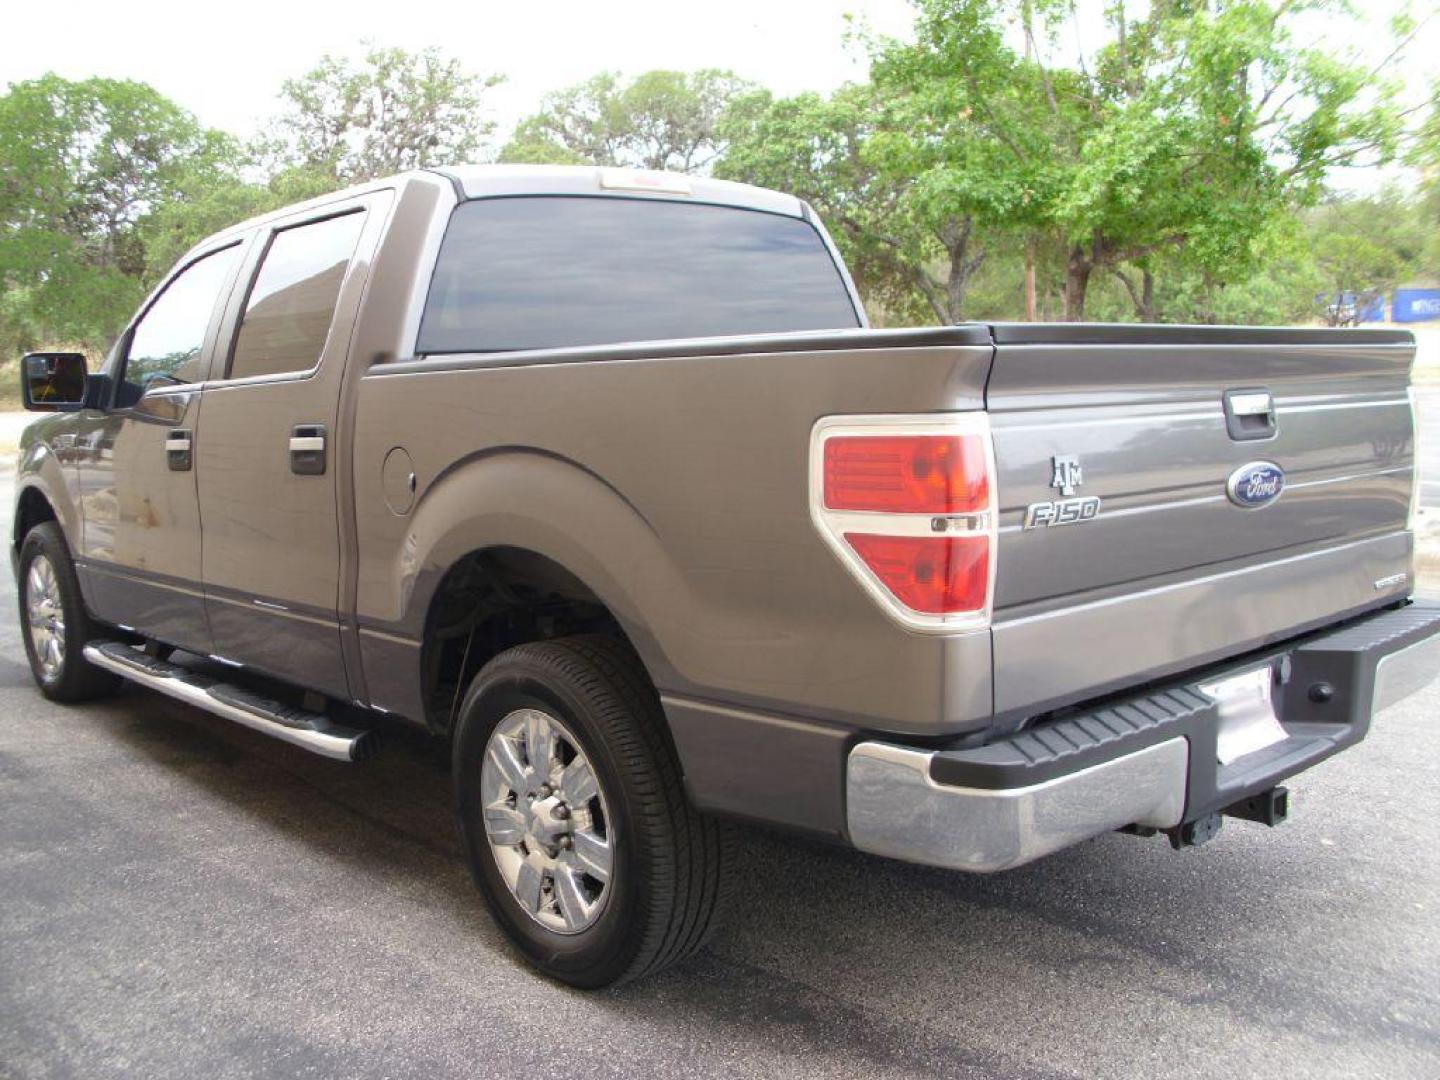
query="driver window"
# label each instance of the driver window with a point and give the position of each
(165, 348)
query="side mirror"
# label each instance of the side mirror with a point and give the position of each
(53, 381)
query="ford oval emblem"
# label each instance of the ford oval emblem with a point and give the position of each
(1256, 484)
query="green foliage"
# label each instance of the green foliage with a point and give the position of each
(1176, 172)
(393, 111)
(1425, 156)
(819, 149)
(83, 164)
(1361, 245)
(1191, 130)
(210, 200)
(659, 120)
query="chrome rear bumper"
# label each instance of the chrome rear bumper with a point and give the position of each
(896, 809)
(1149, 760)
(1400, 674)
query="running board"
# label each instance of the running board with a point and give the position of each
(300, 727)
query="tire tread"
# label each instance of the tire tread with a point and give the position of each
(687, 913)
(80, 680)
(685, 852)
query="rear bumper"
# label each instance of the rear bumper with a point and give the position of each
(1148, 760)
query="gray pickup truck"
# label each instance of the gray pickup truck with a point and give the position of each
(602, 477)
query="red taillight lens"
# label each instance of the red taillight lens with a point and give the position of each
(908, 503)
(934, 575)
(906, 474)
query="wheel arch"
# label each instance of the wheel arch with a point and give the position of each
(491, 599)
(32, 507)
(539, 524)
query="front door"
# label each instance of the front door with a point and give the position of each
(139, 550)
(266, 452)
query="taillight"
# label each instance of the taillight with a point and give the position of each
(908, 503)
(929, 574)
(906, 474)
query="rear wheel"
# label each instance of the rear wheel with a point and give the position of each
(575, 823)
(53, 620)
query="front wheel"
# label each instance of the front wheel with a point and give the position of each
(574, 819)
(54, 622)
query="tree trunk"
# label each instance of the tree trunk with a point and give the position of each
(955, 287)
(1142, 298)
(956, 238)
(1029, 281)
(1077, 280)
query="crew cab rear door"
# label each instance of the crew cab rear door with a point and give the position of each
(267, 447)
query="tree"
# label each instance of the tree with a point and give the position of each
(911, 255)
(1189, 131)
(1425, 156)
(1363, 246)
(659, 120)
(395, 110)
(81, 165)
(210, 200)
(817, 149)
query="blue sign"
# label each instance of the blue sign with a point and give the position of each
(1415, 305)
(1256, 484)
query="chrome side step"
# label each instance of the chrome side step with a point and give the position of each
(310, 731)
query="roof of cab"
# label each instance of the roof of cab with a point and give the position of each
(491, 181)
(486, 181)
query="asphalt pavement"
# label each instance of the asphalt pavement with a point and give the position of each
(181, 897)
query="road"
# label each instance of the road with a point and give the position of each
(181, 897)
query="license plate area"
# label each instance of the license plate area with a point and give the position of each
(1247, 713)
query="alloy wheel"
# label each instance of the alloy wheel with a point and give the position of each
(46, 616)
(546, 821)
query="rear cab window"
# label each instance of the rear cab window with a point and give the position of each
(540, 272)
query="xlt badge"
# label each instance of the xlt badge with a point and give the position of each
(1066, 476)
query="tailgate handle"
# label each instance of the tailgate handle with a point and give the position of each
(1250, 414)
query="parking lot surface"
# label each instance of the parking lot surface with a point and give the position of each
(181, 897)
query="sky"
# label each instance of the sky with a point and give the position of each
(228, 75)
(227, 70)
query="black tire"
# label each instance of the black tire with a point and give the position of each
(669, 882)
(76, 679)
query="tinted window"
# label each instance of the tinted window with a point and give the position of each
(166, 345)
(287, 317)
(528, 273)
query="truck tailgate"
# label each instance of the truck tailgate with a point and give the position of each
(1170, 572)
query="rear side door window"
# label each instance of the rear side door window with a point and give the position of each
(291, 305)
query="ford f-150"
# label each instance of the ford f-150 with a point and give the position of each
(603, 477)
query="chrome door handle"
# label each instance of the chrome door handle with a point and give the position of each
(178, 450)
(307, 450)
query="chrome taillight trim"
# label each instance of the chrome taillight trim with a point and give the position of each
(833, 524)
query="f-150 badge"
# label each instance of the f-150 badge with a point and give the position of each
(1065, 477)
